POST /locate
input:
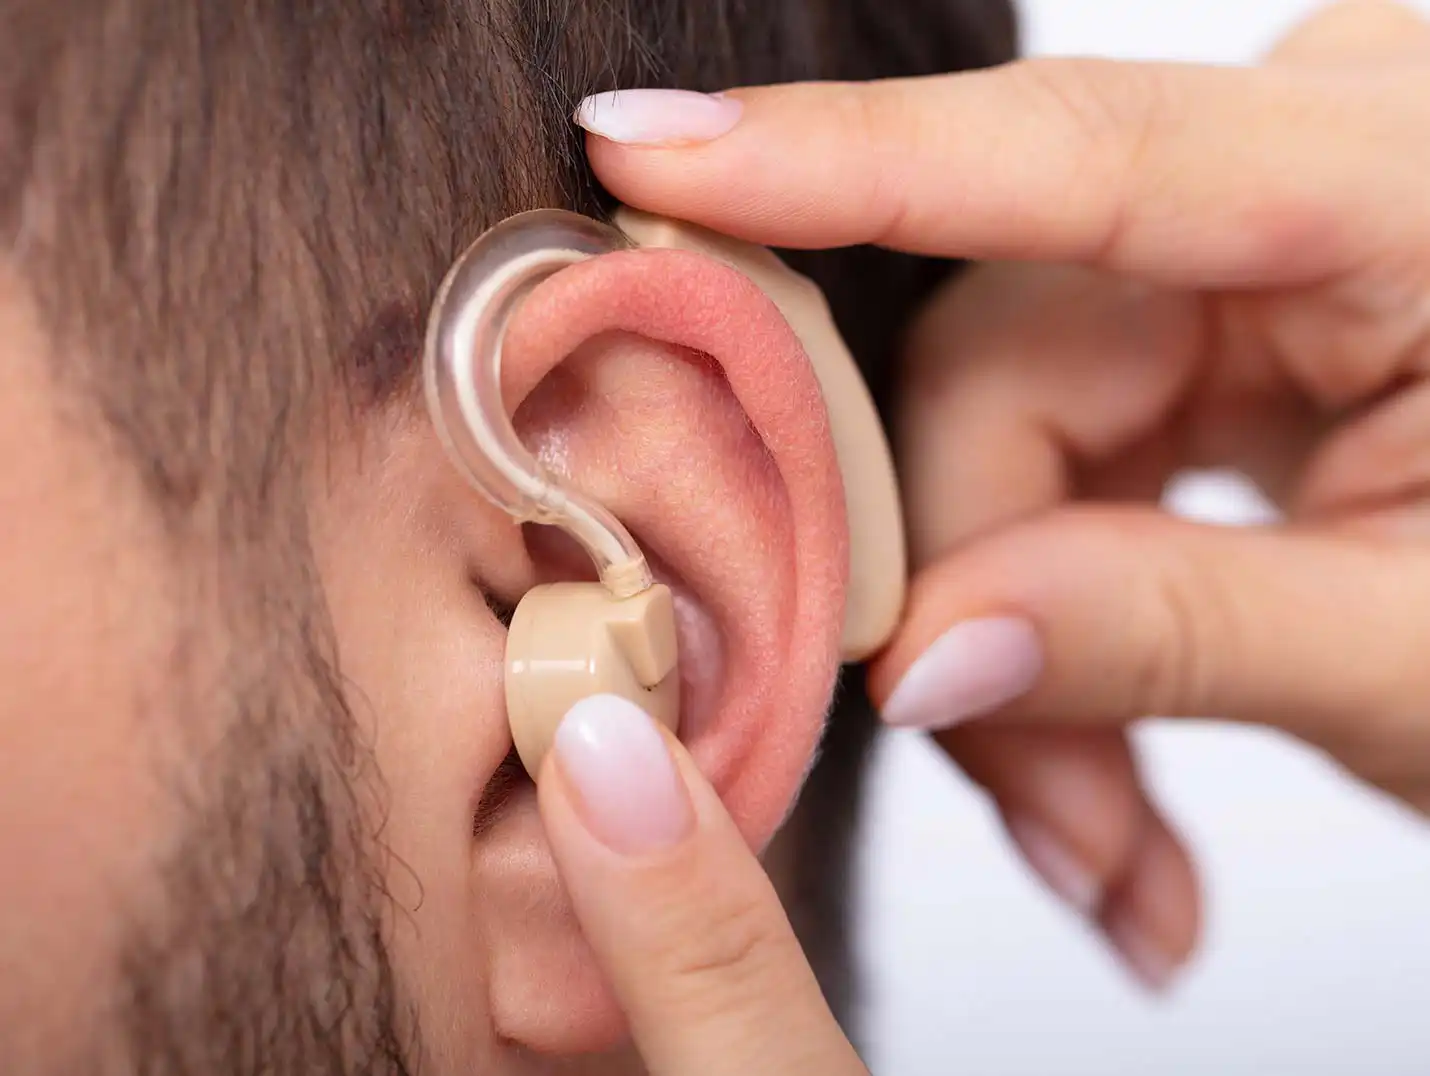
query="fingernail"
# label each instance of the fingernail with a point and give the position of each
(625, 784)
(658, 117)
(974, 668)
(1144, 959)
(1058, 866)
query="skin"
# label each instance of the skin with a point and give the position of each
(1291, 194)
(1188, 267)
(257, 799)
(257, 787)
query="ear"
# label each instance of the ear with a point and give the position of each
(669, 387)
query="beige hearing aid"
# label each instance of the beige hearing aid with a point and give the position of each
(617, 636)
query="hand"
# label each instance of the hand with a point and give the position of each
(1219, 267)
(680, 914)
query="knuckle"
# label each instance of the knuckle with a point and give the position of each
(735, 944)
(1190, 618)
(885, 120)
(1108, 110)
(1105, 117)
(1090, 97)
(890, 124)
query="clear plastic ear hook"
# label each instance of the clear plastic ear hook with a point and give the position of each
(463, 373)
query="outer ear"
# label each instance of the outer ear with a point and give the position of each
(570, 640)
(767, 556)
(668, 386)
(878, 566)
(687, 405)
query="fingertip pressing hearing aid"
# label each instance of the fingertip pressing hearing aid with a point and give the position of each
(617, 636)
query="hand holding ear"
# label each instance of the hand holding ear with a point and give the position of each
(1235, 271)
(680, 914)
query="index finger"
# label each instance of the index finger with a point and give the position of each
(1181, 174)
(683, 921)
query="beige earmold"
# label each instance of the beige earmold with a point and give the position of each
(568, 641)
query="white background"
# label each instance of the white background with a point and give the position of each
(1318, 954)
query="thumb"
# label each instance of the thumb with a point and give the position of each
(1101, 616)
(682, 919)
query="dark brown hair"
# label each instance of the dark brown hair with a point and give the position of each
(229, 210)
(218, 199)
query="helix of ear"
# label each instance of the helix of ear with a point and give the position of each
(571, 640)
(566, 641)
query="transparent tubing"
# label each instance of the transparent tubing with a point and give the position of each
(462, 370)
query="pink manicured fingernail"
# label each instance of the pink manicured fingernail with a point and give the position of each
(658, 117)
(1055, 863)
(627, 789)
(973, 668)
(1147, 963)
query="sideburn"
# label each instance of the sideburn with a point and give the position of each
(268, 949)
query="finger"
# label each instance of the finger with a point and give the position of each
(1073, 804)
(1358, 32)
(1188, 175)
(1102, 395)
(1152, 917)
(999, 409)
(1375, 464)
(1095, 617)
(1001, 413)
(681, 917)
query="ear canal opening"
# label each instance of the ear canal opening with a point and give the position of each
(462, 367)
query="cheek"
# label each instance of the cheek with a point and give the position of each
(420, 657)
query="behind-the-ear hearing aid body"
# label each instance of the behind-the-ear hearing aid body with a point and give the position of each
(617, 636)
